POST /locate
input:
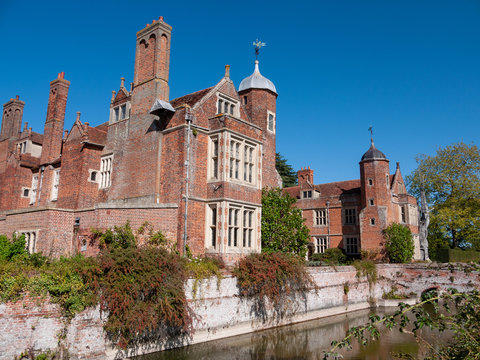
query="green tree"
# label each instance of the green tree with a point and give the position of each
(399, 243)
(451, 180)
(10, 249)
(289, 176)
(283, 228)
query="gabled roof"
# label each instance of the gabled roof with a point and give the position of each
(96, 136)
(29, 161)
(190, 99)
(330, 189)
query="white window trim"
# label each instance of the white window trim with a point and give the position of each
(34, 189)
(209, 226)
(320, 244)
(317, 217)
(90, 171)
(274, 121)
(241, 161)
(305, 192)
(55, 185)
(231, 101)
(23, 190)
(211, 149)
(30, 246)
(241, 226)
(106, 166)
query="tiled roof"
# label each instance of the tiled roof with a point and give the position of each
(27, 160)
(330, 189)
(36, 138)
(97, 135)
(190, 99)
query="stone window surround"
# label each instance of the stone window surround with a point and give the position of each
(240, 228)
(90, 171)
(230, 101)
(351, 244)
(347, 218)
(240, 161)
(34, 188)
(55, 184)
(23, 191)
(320, 217)
(113, 114)
(274, 121)
(320, 244)
(106, 166)
(29, 246)
(212, 209)
(214, 174)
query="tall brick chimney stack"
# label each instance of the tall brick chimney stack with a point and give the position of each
(305, 176)
(152, 62)
(12, 118)
(53, 133)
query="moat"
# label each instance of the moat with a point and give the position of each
(307, 340)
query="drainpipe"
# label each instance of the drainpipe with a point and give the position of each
(42, 169)
(328, 222)
(188, 118)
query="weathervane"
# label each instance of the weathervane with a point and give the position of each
(371, 132)
(258, 44)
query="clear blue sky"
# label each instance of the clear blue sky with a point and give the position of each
(409, 68)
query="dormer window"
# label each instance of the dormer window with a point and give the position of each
(120, 112)
(227, 105)
(22, 147)
(307, 194)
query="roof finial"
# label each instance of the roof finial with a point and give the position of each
(258, 44)
(371, 133)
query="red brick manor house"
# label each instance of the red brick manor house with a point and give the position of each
(193, 166)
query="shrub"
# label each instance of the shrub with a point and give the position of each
(276, 277)
(118, 237)
(203, 268)
(399, 243)
(366, 268)
(142, 291)
(331, 256)
(10, 249)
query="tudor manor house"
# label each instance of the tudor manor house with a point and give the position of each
(194, 167)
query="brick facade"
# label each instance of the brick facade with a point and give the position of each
(133, 167)
(352, 214)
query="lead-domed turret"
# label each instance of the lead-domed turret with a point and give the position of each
(373, 153)
(257, 81)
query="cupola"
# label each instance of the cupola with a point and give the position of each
(257, 81)
(373, 153)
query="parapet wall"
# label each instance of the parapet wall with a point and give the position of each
(38, 326)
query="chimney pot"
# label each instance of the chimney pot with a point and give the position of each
(17, 97)
(227, 71)
(78, 115)
(160, 18)
(61, 75)
(122, 82)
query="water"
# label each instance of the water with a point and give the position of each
(306, 340)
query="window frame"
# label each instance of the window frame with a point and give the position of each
(106, 168)
(226, 105)
(349, 244)
(117, 114)
(320, 244)
(237, 161)
(214, 158)
(34, 189)
(239, 227)
(347, 216)
(320, 217)
(274, 121)
(55, 185)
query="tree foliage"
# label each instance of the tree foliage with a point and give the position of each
(399, 243)
(452, 185)
(456, 312)
(11, 248)
(289, 176)
(283, 228)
